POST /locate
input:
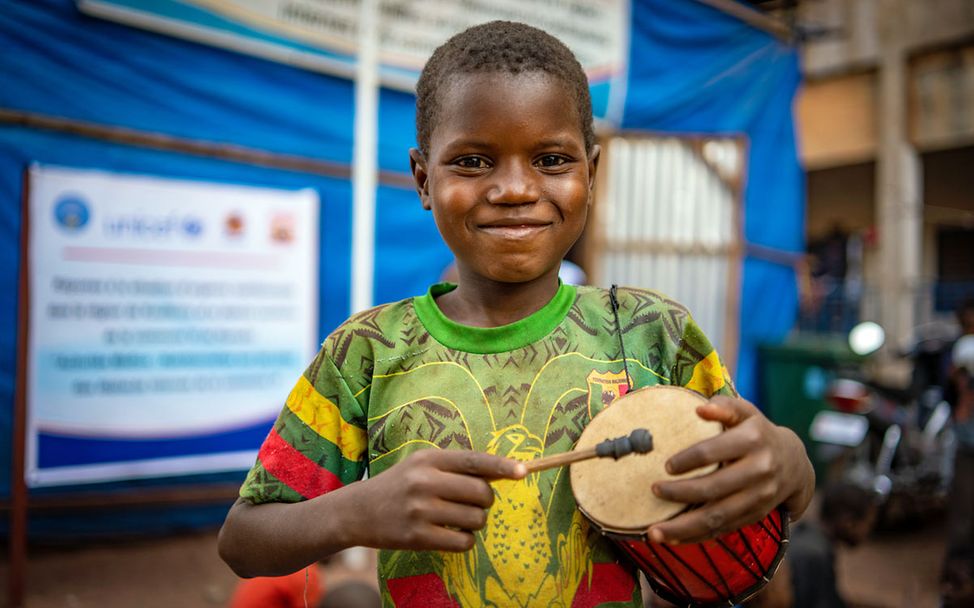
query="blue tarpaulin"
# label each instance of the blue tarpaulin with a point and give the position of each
(695, 69)
(692, 69)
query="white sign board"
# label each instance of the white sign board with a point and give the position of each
(322, 34)
(168, 321)
(410, 31)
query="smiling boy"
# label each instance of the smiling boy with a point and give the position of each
(440, 396)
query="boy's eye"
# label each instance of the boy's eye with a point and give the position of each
(472, 162)
(552, 160)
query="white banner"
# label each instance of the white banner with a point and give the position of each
(410, 31)
(322, 34)
(168, 321)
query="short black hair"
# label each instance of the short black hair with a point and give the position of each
(506, 47)
(842, 498)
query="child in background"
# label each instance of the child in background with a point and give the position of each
(846, 517)
(295, 590)
(957, 580)
(351, 594)
(440, 397)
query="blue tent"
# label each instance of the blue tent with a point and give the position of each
(692, 69)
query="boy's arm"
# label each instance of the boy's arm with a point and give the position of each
(275, 539)
(432, 500)
(314, 451)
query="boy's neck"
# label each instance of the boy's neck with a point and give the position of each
(481, 302)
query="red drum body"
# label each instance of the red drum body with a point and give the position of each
(720, 572)
(616, 498)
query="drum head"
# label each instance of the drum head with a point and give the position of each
(617, 494)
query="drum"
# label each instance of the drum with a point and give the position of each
(616, 496)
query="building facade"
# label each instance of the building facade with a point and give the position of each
(886, 132)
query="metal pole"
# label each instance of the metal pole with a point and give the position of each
(18, 486)
(364, 177)
(899, 177)
(364, 164)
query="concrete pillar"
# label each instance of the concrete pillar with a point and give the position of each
(899, 177)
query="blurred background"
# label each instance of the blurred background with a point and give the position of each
(194, 193)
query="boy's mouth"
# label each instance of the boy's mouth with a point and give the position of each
(515, 229)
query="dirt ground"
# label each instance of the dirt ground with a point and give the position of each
(894, 570)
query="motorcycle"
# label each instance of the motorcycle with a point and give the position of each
(897, 442)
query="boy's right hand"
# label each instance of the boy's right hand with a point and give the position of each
(432, 500)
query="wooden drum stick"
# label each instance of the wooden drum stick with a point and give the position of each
(639, 441)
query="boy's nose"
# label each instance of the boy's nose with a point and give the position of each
(514, 184)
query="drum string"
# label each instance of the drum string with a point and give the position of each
(614, 302)
(717, 571)
(689, 568)
(737, 558)
(776, 534)
(662, 562)
(778, 525)
(750, 549)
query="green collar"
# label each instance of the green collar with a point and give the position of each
(485, 340)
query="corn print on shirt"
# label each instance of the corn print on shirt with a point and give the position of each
(402, 377)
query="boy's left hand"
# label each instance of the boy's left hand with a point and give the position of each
(764, 465)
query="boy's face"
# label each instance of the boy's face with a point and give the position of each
(507, 176)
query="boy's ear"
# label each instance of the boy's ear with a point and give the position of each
(417, 166)
(593, 167)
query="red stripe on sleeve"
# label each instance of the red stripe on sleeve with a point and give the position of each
(305, 477)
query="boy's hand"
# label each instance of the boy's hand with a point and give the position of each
(764, 466)
(432, 500)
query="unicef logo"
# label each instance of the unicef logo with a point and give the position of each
(71, 212)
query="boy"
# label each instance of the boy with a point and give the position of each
(442, 395)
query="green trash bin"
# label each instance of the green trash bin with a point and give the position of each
(794, 377)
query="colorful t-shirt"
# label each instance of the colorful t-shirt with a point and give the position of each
(403, 377)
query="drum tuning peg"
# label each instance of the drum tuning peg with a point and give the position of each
(640, 441)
